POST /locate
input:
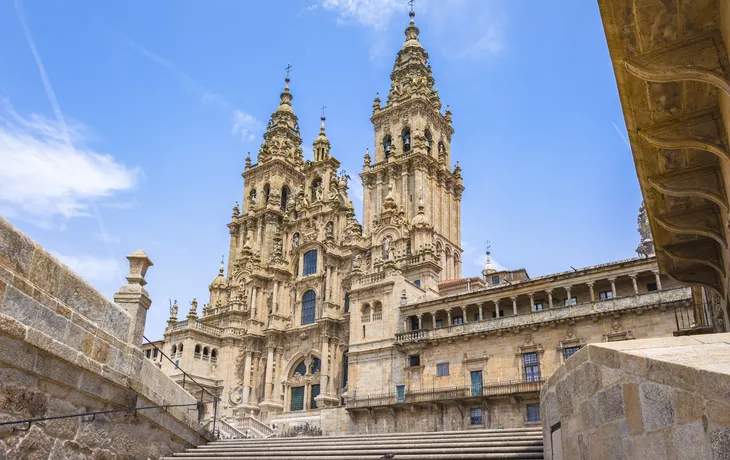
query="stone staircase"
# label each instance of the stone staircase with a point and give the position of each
(515, 444)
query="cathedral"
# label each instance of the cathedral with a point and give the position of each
(362, 328)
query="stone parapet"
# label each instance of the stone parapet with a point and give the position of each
(652, 398)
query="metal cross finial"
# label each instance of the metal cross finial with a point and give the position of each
(288, 70)
(323, 107)
(489, 246)
(410, 2)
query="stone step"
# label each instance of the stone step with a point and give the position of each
(409, 444)
(325, 442)
(514, 444)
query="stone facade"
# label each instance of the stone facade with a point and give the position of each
(316, 318)
(66, 349)
(655, 398)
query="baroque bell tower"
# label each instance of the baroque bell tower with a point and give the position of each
(410, 177)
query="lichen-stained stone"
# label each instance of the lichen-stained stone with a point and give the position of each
(688, 441)
(45, 272)
(609, 404)
(633, 409)
(656, 404)
(720, 443)
(35, 445)
(80, 296)
(16, 249)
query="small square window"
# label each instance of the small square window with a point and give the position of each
(570, 351)
(442, 370)
(495, 280)
(533, 412)
(538, 306)
(414, 360)
(458, 320)
(571, 301)
(605, 295)
(439, 323)
(651, 287)
(476, 416)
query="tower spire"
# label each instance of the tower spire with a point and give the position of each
(282, 138)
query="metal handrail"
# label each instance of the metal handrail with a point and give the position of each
(93, 415)
(216, 399)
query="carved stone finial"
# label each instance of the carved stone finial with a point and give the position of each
(138, 265)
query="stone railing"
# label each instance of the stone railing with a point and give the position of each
(499, 388)
(410, 336)
(586, 309)
(371, 278)
(225, 430)
(249, 424)
(212, 330)
(378, 316)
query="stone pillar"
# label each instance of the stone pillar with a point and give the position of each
(568, 292)
(550, 298)
(633, 281)
(514, 304)
(613, 286)
(134, 298)
(448, 314)
(658, 278)
(463, 315)
(481, 312)
(433, 319)
(253, 300)
(325, 376)
(268, 379)
(593, 294)
(247, 376)
(332, 388)
(496, 308)
(420, 322)
(404, 192)
(328, 281)
(405, 323)
(276, 295)
(278, 374)
(532, 302)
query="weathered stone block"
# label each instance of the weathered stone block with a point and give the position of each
(688, 406)
(69, 450)
(16, 353)
(632, 408)
(656, 404)
(688, 441)
(83, 298)
(12, 327)
(16, 249)
(720, 443)
(45, 272)
(609, 404)
(35, 445)
(646, 447)
(116, 322)
(61, 428)
(52, 368)
(51, 346)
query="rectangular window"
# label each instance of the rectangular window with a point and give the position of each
(651, 287)
(533, 412)
(155, 353)
(347, 302)
(501, 314)
(297, 398)
(476, 383)
(475, 416)
(457, 320)
(414, 360)
(532, 367)
(605, 295)
(439, 323)
(571, 301)
(148, 353)
(414, 323)
(442, 369)
(315, 393)
(400, 394)
(569, 351)
(310, 262)
(495, 280)
(538, 306)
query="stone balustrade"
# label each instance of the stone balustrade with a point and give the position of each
(586, 309)
(212, 330)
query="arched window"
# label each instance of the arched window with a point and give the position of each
(309, 305)
(316, 189)
(315, 367)
(213, 355)
(174, 349)
(406, 137)
(301, 369)
(284, 197)
(429, 140)
(347, 302)
(197, 352)
(206, 352)
(267, 192)
(252, 198)
(180, 347)
(366, 318)
(377, 311)
(387, 141)
(310, 262)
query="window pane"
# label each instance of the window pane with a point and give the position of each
(442, 369)
(570, 351)
(605, 295)
(297, 398)
(458, 320)
(538, 307)
(301, 369)
(533, 412)
(415, 360)
(315, 393)
(316, 366)
(439, 323)
(475, 416)
(309, 304)
(651, 287)
(310, 263)
(495, 280)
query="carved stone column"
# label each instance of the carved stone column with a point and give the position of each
(448, 315)
(433, 319)
(463, 314)
(420, 322)
(569, 293)
(633, 281)
(613, 286)
(481, 312)
(247, 376)
(496, 308)
(532, 302)
(658, 278)
(550, 298)
(269, 376)
(590, 287)
(514, 304)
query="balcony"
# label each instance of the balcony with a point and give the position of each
(503, 388)
(586, 309)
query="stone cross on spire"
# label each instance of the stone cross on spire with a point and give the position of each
(288, 70)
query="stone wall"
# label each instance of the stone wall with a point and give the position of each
(66, 349)
(656, 398)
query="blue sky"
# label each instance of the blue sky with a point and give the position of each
(125, 125)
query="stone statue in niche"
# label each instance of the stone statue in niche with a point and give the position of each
(386, 248)
(173, 310)
(356, 262)
(295, 241)
(329, 231)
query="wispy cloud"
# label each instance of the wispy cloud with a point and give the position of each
(106, 237)
(92, 268)
(476, 259)
(622, 136)
(243, 125)
(464, 29)
(42, 176)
